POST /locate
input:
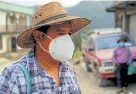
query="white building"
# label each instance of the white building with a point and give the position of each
(14, 19)
(125, 17)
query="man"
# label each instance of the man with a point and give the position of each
(46, 63)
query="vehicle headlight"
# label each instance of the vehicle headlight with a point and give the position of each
(107, 63)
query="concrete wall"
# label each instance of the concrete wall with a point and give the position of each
(2, 21)
(120, 19)
(29, 20)
(127, 24)
(132, 27)
(7, 43)
(4, 44)
(131, 11)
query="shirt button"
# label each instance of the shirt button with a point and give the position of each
(52, 83)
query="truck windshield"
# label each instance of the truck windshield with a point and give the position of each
(107, 42)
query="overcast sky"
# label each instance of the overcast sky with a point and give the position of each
(66, 3)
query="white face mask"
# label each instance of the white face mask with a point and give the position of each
(61, 48)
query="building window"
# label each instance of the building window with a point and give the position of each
(12, 19)
(1, 42)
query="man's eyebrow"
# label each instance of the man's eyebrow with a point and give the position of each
(60, 29)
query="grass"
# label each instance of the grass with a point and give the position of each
(77, 54)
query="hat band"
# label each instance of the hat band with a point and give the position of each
(53, 18)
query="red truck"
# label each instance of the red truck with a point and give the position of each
(98, 51)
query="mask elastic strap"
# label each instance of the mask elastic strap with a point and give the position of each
(43, 48)
(48, 37)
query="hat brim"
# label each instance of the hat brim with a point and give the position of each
(25, 39)
(122, 39)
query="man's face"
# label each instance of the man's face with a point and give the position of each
(59, 30)
(53, 32)
(122, 40)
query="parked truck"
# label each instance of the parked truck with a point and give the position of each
(98, 51)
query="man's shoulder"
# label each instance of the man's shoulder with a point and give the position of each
(11, 74)
(22, 60)
(11, 67)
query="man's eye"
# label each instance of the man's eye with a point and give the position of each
(70, 33)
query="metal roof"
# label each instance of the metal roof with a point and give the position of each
(107, 31)
(122, 5)
(16, 8)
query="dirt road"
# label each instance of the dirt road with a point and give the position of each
(88, 83)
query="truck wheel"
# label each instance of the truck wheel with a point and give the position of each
(88, 69)
(102, 82)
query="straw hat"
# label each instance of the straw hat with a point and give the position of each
(49, 14)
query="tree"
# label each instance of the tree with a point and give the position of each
(77, 36)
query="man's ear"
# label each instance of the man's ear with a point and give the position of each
(37, 36)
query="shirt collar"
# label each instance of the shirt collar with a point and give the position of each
(63, 67)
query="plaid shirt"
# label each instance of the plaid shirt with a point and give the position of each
(12, 80)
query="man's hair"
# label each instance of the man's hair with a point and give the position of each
(43, 29)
